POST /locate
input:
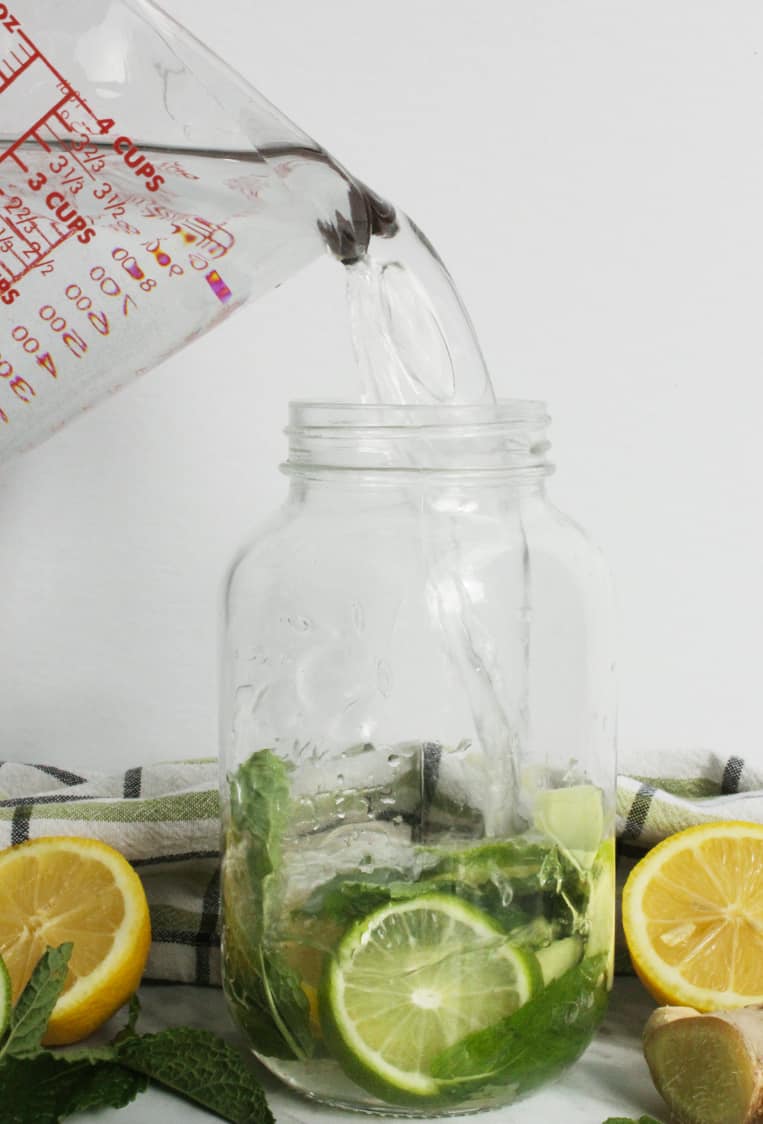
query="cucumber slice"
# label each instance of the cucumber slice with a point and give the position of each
(558, 957)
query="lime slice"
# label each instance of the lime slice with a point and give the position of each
(410, 980)
(574, 818)
(5, 998)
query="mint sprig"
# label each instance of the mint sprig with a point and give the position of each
(30, 1016)
(40, 1086)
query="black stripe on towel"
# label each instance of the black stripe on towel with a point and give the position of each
(62, 775)
(184, 937)
(133, 781)
(20, 824)
(732, 775)
(210, 912)
(642, 802)
(180, 857)
(56, 798)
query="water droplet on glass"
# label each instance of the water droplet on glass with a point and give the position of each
(394, 760)
(358, 617)
(340, 778)
(300, 624)
(384, 678)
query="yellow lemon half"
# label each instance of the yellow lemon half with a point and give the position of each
(693, 917)
(61, 889)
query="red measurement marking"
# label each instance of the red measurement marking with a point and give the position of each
(8, 72)
(29, 240)
(72, 95)
(218, 286)
(29, 245)
(186, 235)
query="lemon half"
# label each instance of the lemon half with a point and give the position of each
(61, 889)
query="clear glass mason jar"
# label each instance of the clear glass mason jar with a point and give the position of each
(418, 765)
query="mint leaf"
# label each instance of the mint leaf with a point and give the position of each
(132, 1017)
(91, 1086)
(199, 1065)
(25, 1092)
(630, 1120)
(264, 992)
(39, 1086)
(36, 1002)
(512, 880)
(46, 1089)
(532, 1045)
(349, 896)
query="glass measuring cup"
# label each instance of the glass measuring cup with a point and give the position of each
(146, 191)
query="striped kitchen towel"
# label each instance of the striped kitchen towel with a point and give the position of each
(165, 819)
(700, 786)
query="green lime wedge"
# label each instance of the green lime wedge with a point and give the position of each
(5, 998)
(574, 818)
(410, 980)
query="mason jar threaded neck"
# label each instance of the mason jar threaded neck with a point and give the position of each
(508, 436)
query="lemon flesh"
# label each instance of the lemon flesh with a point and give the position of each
(60, 889)
(693, 917)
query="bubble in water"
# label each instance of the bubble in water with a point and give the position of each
(393, 760)
(506, 893)
(340, 778)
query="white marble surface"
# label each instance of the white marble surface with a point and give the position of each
(610, 1080)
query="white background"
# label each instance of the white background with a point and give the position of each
(592, 173)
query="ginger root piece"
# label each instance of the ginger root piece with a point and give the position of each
(707, 1067)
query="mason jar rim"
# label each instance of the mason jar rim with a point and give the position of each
(335, 414)
(401, 441)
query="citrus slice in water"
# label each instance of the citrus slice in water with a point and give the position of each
(693, 917)
(60, 889)
(410, 980)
